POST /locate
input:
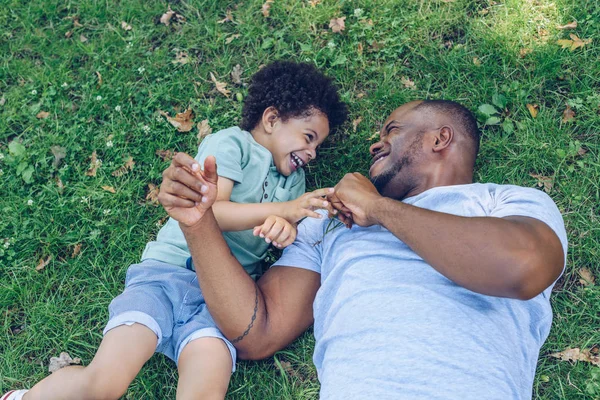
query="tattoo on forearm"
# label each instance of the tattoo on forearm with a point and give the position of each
(243, 335)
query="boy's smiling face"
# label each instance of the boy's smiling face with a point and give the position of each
(293, 143)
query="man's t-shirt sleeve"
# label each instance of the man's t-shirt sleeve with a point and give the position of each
(227, 147)
(306, 251)
(533, 203)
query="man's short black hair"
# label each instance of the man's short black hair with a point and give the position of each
(295, 90)
(464, 119)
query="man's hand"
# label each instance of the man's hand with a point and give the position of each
(187, 191)
(305, 205)
(276, 230)
(355, 198)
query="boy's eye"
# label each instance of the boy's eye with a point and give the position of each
(309, 137)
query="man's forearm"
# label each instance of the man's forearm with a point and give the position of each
(240, 216)
(493, 256)
(233, 298)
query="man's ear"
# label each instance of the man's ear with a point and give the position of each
(442, 138)
(269, 118)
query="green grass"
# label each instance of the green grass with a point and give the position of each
(465, 50)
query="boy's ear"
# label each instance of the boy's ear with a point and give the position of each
(269, 118)
(442, 138)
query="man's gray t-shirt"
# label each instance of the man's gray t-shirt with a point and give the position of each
(389, 326)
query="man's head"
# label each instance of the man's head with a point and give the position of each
(424, 144)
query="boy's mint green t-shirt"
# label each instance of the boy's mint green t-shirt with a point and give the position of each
(256, 180)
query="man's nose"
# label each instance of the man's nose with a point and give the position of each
(375, 148)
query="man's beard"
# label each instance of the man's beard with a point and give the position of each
(381, 181)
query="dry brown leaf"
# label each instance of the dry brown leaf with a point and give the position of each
(570, 25)
(587, 278)
(64, 360)
(337, 24)
(220, 86)
(181, 58)
(236, 74)
(125, 26)
(42, 264)
(578, 355)
(68, 34)
(165, 155)
(59, 153)
(76, 23)
(546, 181)
(152, 196)
(228, 17)
(360, 95)
(524, 51)
(533, 109)
(59, 184)
(204, 129)
(82, 38)
(182, 121)
(359, 48)
(476, 61)
(568, 114)
(99, 78)
(128, 166)
(109, 189)
(266, 8)
(166, 17)
(94, 165)
(574, 43)
(76, 250)
(232, 38)
(408, 83)
(581, 151)
(42, 115)
(356, 122)
(313, 3)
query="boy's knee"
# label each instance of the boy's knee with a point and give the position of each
(104, 385)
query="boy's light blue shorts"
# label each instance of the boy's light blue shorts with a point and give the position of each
(167, 299)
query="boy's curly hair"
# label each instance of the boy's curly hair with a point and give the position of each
(295, 90)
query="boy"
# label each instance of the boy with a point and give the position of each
(289, 111)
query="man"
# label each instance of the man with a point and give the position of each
(439, 290)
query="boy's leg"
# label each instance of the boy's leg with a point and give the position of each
(205, 367)
(122, 353)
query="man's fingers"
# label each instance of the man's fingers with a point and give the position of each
(186, 161)
(210, 170)
(170, 201)
(180, 190)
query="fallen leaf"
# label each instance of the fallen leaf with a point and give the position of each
(2, 101)
(587, 278)
(524, 51)
(125, 26)
(59, 153)
(232, 38)
(581, 151)
(533, 109)
(128, 166)
(546, 181)
(408, 83)
(166, 17)
(42, 115)
(375, 135)
(236, 74)
(337, 24)
(360, 95)
(266, 8)
(68, 34)
(152, 196)
(165, 155)
(574, 43)
(109, 189)
(76, 23)
(82, 38)
(356, 122)
(570, 25)
(42, 264)
(64, 360)
(203, 130)
(220, 86)
(181, 58)
(76, 250)
(59, 184)
(99, 78)
(577, 355)
(568, 114)
(94, 164)
(228, 17)
(359, 48)
(313, 3)
(476, 61)
(182, 121)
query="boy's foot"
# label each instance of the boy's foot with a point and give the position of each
(14, 395)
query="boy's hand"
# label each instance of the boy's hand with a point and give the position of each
(305, 205)
(276, 230)
(187, 191)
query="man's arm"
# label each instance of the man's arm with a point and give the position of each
(259, 318)
(515, 256)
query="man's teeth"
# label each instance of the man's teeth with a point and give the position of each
(297, 161)
(379, 159)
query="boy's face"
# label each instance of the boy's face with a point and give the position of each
(294, 142)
